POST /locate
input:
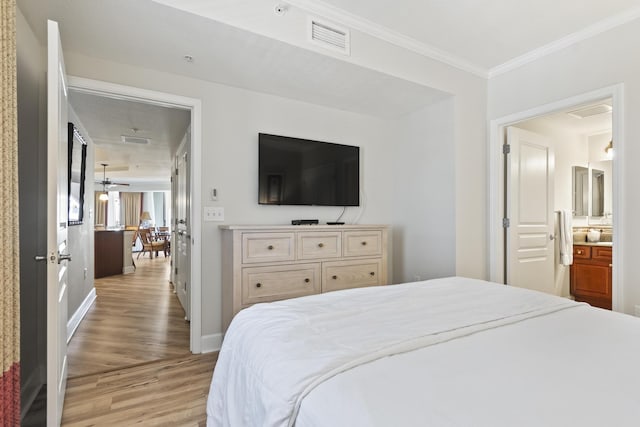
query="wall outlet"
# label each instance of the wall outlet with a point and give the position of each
(213, 213)
(416, 278)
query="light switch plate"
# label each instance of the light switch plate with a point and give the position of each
(213, 213)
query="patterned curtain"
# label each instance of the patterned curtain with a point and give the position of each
(131, 204)
(9, 250)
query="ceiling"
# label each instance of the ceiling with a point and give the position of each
(563, 120)
(479, 34)
(108, 119)
(486, 33)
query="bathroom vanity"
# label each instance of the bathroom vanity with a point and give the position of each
(591, 273)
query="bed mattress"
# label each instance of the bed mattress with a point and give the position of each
(446, 352)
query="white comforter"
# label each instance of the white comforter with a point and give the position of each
(275, 355)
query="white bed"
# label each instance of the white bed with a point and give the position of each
(445, 352)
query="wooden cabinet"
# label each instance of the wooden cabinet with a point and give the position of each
(591, 275)
(112, 250)
(270, 263)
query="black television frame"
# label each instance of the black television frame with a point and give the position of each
(271, 184)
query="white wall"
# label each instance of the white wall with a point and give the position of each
(80, 237)
(424, 195)
(469, 112)
(598, 62)
(232, 118)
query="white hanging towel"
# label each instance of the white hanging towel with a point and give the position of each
(566, 237)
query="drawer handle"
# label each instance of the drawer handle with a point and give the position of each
(364, 243)
(372, 273)
(270, 247)
(580, 251)
(306, 280)
(258, 285)
(334, 277)
(610, 265)
(321, 245)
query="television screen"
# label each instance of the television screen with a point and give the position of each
(296, 171)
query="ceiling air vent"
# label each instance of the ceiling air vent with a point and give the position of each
(329, 36)
(591, 110)
(134, 140)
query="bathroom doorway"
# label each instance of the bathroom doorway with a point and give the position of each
(578, 131)
(576, 185)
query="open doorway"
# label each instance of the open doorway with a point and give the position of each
(134, 160)
(575, 177)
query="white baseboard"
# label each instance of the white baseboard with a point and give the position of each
(128, 269)
(210, 343)
(77, 317)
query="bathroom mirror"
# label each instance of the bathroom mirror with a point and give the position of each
(592, 192)
(597, 193)
(580, 205)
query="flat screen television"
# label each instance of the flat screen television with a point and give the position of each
(294, 171)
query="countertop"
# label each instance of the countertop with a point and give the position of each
(606, 244)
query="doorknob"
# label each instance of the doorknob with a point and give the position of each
(552, 236)
(64, 257)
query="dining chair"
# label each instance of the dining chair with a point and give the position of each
(149, 244)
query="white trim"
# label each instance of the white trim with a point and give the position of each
(564, 42)
(211, 343)
(118, 91)
(496, 176)
(77, 317)
(128, 269)
(363, 25)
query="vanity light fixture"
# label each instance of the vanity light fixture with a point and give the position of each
(609, 150)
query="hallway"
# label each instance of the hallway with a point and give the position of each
(129, 361)
(136, 318)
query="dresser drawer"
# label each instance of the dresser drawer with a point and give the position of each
(267, 247)
(362, 243)
(319, 245)
(264, 284)
(351, 274)
(582, 252)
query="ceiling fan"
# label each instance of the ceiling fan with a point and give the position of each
(106, 182)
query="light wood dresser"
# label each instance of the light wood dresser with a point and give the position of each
(270, 263)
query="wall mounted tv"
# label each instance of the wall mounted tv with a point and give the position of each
(296, 171)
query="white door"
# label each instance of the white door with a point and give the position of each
(182, 247)
(57, 200)
(530, 245)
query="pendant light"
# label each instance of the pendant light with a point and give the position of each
(104, 196)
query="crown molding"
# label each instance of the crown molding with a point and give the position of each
(363, 25)
(564, 42)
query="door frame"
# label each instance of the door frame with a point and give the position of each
(130, 93)
(496, 181)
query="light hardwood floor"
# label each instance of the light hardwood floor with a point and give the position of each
(129, 361)
(136, 318)
(170, 392)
